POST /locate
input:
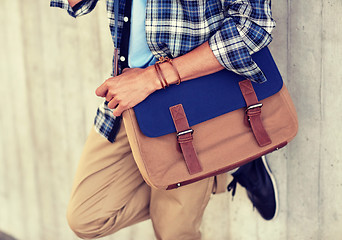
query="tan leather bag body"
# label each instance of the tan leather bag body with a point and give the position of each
(222, 143)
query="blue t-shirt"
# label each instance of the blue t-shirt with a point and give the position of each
(139, 55)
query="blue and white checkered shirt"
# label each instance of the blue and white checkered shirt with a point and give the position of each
(235, 29)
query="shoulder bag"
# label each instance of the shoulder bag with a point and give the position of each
(210, 125)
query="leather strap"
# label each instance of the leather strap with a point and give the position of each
(184, 137)
(253, 113)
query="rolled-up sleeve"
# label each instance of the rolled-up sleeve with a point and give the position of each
(81, 8)
(246, 29)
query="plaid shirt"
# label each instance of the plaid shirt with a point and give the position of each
(235, 29)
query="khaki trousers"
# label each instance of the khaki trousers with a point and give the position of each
(109, 194)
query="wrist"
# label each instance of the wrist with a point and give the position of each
(152, 76)
(170, 72)
(162, 74)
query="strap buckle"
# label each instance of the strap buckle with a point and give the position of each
(257, 105)
(190, 130)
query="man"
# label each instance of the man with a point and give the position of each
(201, 37)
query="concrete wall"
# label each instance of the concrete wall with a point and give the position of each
(48, 74)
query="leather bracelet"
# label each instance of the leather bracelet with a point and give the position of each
(166, 59)
(159, 74)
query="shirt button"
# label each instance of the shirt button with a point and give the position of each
(122, 58)
(125, 19)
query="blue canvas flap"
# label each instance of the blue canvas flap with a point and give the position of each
(204, 98)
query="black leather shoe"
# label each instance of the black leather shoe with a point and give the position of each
(260, 185)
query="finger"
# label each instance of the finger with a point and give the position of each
(118, 110)
(102, 90)
(109, 97)
(113, 103)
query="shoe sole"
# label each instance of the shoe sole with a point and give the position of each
(263, 158)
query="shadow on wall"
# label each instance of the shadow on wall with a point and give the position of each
(4, 236)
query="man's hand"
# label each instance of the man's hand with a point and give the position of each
(135, 84)
(128, 89)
